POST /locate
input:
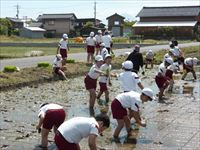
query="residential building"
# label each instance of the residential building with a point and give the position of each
(181, 21)
(115, 24)
(57, 24)
(16, 23)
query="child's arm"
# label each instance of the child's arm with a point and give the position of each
(41, 119)
(137, 118)
(140, 85)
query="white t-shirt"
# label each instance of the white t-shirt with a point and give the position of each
(104, 52)
(173, 67)
(129, 80)
(162, 69)
(63, 44)
(91, 41)
(105, 68)
(57, 63)
(149, 55)
(107, 40)
(176, 52)
(188, 61)
(98, 38)
(47, 107)
(130, 100)
(92, 73)
(75, 129)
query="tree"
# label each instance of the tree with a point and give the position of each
(89, 24)
(128, 23)
(5, 27)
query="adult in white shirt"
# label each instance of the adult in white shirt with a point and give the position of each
(129, 80)
(104, 80)
(129, 100)
(63, 48)
(188, 66)
(103, 50)
(161, 80)
(57, 66)
(50, 115)
(98, 41)
(107, 40)
(90, 47)
(72, 131)
(91, 81)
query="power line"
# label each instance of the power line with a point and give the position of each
(95, 12)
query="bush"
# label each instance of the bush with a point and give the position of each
(10, 69)
(70, 61)
(43, 64)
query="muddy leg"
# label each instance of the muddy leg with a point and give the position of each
(107, 96)
(184, 75)
(194, 74)
(120, 125)
(128, 125)
(44, 141)
(92, 97)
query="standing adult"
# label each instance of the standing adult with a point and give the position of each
(107, 40)
(98, 41)
(90, 46)
(63, 48)
(137, 59)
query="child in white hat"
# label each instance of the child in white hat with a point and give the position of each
(98, 41)
(57, 66)
(90, 47)
(188, 66)
(133, 101)
(149, 58)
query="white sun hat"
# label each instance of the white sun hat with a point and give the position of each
(98, 58)
(102, 44)
(127, 64)
(65, 36)
(169, 60)
(91, 33)
(148, 92)
(195, 60)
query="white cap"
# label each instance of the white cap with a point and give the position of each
(148, 92)
(107, 55)
(102, 44)
(99, 31)
(58, 56)
(65, 36)
(127, 64)
(150, 51)
(169, 60)
(91, 33)
(98, 58)
(195, 60)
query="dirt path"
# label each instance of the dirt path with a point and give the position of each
(32, 61)
(173, 125)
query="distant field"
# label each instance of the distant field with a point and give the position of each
(17, 52)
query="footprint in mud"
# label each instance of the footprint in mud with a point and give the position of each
(162, 111)
(4, 146)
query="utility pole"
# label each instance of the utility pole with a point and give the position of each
(17, 7)
(95, 13)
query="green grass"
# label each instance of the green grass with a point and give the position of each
(17, 52)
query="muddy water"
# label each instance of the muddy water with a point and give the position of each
(165, 122)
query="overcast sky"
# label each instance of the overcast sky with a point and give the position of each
(85, 8)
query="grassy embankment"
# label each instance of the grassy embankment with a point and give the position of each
(36, 75)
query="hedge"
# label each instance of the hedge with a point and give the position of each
(10, 69)
(43, 64)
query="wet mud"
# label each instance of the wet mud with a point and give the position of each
(170, 125)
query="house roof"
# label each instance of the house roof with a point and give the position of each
(166, 24)
(56, 16)
(115, 15)
(35, 24)
(14, 19)
(169, 11)
(87, 19)
(35, 29)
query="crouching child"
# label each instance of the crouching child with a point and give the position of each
(129, 100)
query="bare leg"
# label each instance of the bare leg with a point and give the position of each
(92, 97)
(194, 74)
(152, 64)
(128, 125)
(184, 75)
(45, 133)
(62, 73)
(120, 125)
(92, 57)
(97, 51)
(107, 96)
(99, 94)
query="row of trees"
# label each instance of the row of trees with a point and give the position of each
(5, 27)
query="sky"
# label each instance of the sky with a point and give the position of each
(85, 8)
